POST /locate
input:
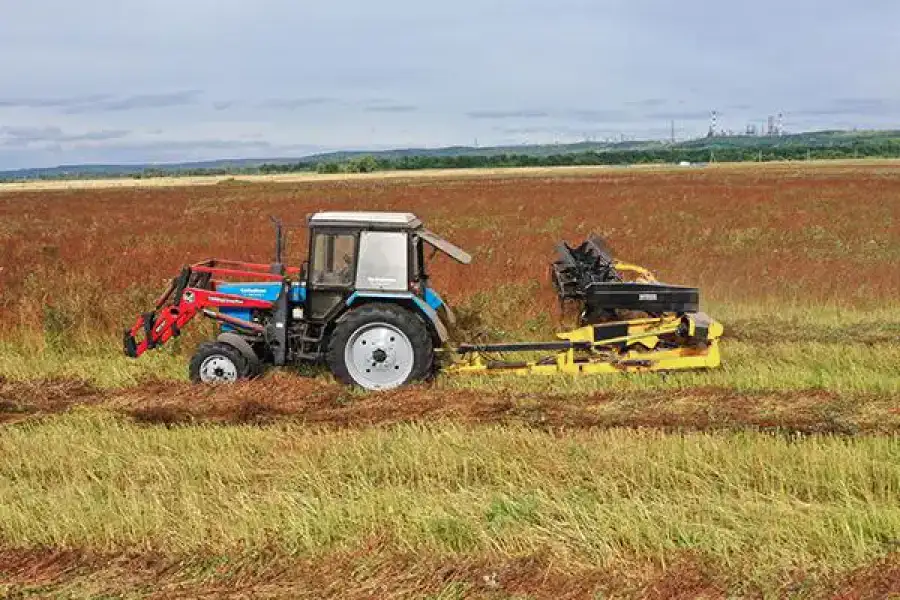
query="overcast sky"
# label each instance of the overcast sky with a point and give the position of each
(128, 81)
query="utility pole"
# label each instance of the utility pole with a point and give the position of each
(672, 123)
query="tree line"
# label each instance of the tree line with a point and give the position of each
(369, 163)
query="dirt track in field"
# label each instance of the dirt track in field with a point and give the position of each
(368, 571)
(315, 403)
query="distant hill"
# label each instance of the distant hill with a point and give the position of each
(811, 139)
(522, 150)
(816, 140)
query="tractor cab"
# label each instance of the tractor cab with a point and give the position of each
(359, 255)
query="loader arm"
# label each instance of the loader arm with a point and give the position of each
(193, 292)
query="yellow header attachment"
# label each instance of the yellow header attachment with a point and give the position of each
(668, 343)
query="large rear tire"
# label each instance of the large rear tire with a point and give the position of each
(380, 347)
(218, 362)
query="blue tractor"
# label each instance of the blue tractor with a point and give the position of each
(362, 303)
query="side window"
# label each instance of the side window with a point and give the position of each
(333, 256)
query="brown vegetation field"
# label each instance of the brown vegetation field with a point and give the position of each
(777, 475)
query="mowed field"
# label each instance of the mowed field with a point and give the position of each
(777, 475)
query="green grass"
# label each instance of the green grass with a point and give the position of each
(103, 364)
(767, 346)
(760, 504)
(843, 368)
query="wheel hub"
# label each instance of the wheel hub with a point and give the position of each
(379, 356)
(218, 368)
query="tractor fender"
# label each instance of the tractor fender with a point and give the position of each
(409, 300)
(241, 345)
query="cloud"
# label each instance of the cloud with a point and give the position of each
(679, 115)
(524, 130)
(137, 102)
(596, 115)
(368, 75)
(873, 107)
(105, 102)
(53, 102)
(295, 103)
(223, 105)
(648, 102)
(17, 136)
(580, 115)
(507, 114)
(391, 108)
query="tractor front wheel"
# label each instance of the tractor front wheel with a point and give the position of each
(380, 347)
(218, 362)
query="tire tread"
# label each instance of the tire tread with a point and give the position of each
(206, 349)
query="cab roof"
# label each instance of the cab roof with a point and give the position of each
(391, 220)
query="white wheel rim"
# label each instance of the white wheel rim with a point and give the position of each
(379, 356)
(217, 368)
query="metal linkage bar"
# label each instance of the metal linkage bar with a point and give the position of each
(523, 347)
(233, 321)
(256, 268)
(237, 273)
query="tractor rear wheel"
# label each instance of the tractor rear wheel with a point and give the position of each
(380, 347)
(218, 362)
